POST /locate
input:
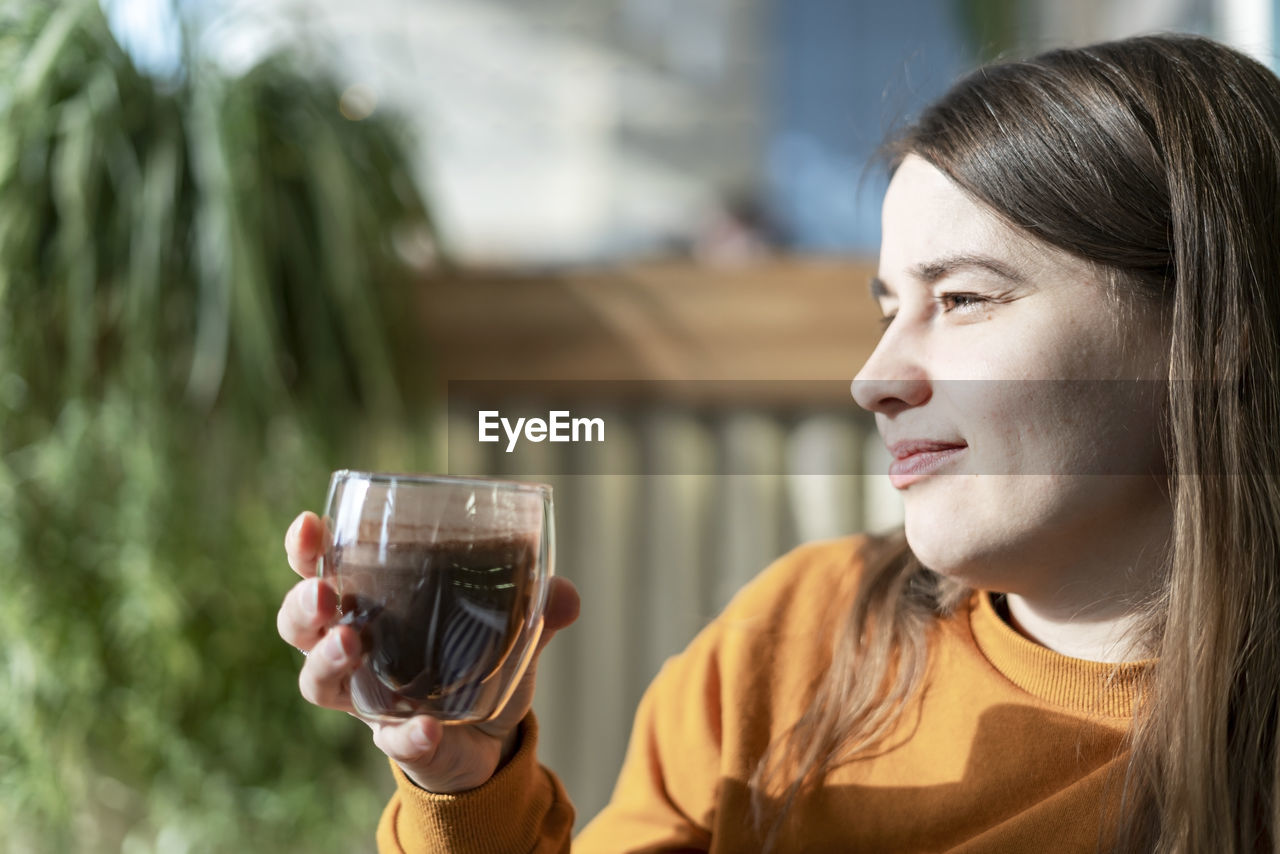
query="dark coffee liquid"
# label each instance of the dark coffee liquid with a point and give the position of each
(435, 619)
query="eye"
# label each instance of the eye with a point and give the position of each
(962, 302)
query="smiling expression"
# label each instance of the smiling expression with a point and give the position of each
(1019, 403)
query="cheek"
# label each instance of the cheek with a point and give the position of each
(1056, 399)
(1041, 342)
(1061, 427)
(1018, 426)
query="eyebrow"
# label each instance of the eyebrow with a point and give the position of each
(933, 271)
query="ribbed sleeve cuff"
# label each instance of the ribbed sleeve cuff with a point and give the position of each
(522, 808)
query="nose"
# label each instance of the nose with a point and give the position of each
(891, 380)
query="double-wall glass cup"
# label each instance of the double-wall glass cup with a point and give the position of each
(445, 579)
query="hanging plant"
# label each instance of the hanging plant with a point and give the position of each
(201, 313)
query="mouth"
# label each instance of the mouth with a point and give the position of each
(915, 459)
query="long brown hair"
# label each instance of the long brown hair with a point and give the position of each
(1157, 158)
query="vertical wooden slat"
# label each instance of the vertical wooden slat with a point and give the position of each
(751, 506)
(882, 503)
(673, 543)
(597, 533)
(824, 493)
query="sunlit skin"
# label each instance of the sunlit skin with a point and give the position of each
(974, 308)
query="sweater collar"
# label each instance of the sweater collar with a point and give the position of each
(1091, 687)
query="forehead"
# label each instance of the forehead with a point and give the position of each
(927, 216)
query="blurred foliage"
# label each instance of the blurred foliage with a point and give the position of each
(201, 314)
(993, 26)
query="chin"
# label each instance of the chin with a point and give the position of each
(954, 552)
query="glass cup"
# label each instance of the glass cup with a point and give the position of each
(445, 579)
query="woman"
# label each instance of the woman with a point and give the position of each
(1073, 644)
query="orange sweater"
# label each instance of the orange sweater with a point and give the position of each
(1007, 749)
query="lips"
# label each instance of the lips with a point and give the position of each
(913, 459)
(907, 447)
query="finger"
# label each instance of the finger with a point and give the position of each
(307, 610)
(303, 542)
(563, 605)
(412, 742)
(326, 676)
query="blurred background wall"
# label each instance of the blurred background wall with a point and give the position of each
(675, 195)
(563, 132)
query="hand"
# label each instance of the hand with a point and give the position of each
(443, 759)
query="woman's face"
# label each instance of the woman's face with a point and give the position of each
(1037, 406)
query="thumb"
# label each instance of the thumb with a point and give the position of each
(440, 759)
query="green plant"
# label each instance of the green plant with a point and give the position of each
(201, 313)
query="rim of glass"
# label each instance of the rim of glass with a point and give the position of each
(458, 480)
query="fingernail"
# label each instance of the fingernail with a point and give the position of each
(333, 649)
(419, 738)
(311, 600)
